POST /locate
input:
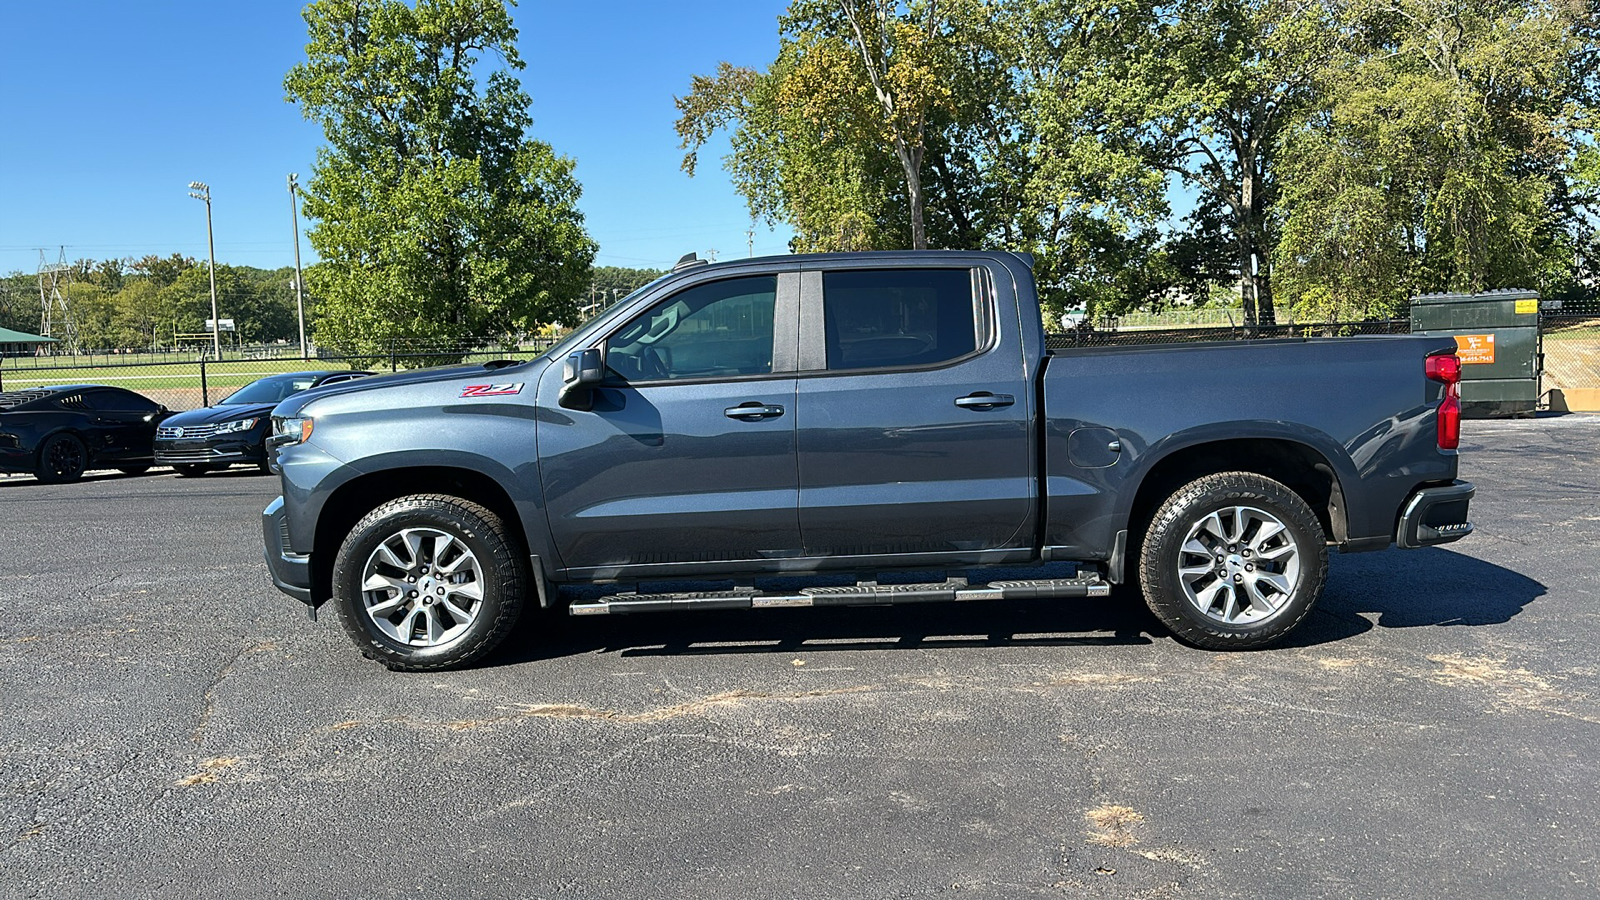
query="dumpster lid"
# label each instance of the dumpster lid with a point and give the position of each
(1506, 294)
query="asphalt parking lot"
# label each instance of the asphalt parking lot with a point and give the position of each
(170, 725)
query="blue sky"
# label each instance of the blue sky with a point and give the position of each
(113, 107)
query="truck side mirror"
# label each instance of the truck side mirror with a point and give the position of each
(583, 371)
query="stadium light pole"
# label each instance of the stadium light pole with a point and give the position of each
(299, 289)
(202, 191)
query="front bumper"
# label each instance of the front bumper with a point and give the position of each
(1435, 515)
(291, 572)
(187, 453)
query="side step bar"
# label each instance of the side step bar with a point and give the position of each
(864, 594)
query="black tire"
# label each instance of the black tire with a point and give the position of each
(504, 585)
(62, 459)
(133, 470)
(1163, 551)
(191, 470)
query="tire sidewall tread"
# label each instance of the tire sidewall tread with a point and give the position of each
(1165, 596)
(489, 539)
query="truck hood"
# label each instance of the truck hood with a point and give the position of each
(294, 404)
(212, 415)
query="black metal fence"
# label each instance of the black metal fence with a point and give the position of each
(1106, 333)
(1571, 348)
(192, 383)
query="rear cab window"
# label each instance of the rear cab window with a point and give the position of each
(901, 318)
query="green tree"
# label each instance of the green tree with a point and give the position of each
(1448, 154)
(437, 218)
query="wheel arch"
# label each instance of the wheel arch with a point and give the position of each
(353, 499)
(1310, 471)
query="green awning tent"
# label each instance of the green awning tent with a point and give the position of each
(14, 343)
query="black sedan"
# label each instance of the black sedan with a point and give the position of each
(58, 432)
(235, 430)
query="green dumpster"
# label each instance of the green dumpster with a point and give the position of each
(1497, 338)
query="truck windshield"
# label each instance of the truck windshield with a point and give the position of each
(567, 344)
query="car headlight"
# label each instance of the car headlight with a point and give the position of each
(290, 430)
(237, 425)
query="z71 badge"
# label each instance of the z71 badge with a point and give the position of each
(491, 390)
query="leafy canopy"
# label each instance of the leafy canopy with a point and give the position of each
(437, 218)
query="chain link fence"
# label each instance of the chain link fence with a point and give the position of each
(1110, 332)
(1571, 351)
(183, 384)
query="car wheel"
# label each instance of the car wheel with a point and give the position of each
(1233, 561)
(62, 458)
(429, 582)
(133, 470)
(190, 470)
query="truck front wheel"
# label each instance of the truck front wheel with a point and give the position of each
(1233, 561)
(428, 582)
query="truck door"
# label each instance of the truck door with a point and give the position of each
(687, 456)
(914, 414)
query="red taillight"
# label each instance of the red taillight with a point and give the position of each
(1446, 368)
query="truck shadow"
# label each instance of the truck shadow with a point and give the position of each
(1418, 588)
(1409, 589)
(1021, 623)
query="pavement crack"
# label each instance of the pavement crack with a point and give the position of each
(208, 697)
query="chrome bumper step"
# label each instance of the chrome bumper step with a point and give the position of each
(862, 594)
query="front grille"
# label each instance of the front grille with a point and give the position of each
(183, 456)
(185, 432)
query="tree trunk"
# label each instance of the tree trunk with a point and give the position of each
(919, 234)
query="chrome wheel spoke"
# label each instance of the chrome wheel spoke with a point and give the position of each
(1211, 525)
(386, 608)
(377, 581)
(387, 555)
(468, 589)
(460, 614)
(1206, 598)
(434, 564)
(432, 627)
(1252, 560)
(1273, 554)
(407, 626)
(1266, 532)
(1257, 599)
(1280, 582)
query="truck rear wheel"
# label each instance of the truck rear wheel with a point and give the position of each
(428, 582)
(1233, 561)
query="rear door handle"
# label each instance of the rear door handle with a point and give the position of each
(985, 400)
(753, 411)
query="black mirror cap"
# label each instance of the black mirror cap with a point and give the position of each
(583, 368)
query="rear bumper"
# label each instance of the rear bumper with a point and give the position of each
(1435, 515)
(291, 572)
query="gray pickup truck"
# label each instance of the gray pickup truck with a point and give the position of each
(890, 426)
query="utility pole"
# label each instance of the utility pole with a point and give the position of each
(299, 279)
(202, 191)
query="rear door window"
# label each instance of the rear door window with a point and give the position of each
(717, 330)
(891, 318)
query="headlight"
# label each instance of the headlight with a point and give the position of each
(237, 425)
(290, 430)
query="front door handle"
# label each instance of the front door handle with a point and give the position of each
(753, 410)
(985, 400)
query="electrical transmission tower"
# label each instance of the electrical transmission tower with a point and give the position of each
(54, 310)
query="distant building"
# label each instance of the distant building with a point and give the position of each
(21, 343)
